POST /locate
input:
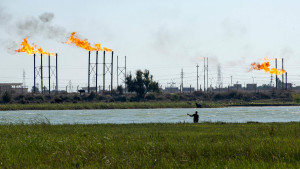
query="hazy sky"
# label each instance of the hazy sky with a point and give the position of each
(162, 36)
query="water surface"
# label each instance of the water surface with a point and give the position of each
(123, 116)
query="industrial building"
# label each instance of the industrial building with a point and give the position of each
(171, 90)
(13, 88)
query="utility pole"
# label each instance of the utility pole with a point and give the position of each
(181, 80)
(276, 74)
(207, 71)
(204, 75)
(271, 82)
(24, 77)
(285, 80)
(197, 76)
(125, 75)
(117, 70)
(253, 79)
(282, 78)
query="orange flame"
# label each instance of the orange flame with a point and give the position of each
(266, 59)
(40, 50)
(85, 44)
(107, 50)
(265, 66)
(25, 47)
(98, 47)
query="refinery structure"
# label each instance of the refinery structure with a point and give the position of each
(46, 69)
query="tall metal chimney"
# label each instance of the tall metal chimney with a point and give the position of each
(112, 68)
(56, 75)
(34, 76)
(96, 71)
(276, 74)
(104, 71)
(49, 72)
(89, 63)
(282, 78)
(42, 91)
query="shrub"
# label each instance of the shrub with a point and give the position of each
(175, 97)
(19, 97)
(218, 97)
(40, 98)
(296, 98)
(29, 97)
(6, 97)
(92, 96)
(120, 90)
(76, 98)
(120, 99)
(150, 96)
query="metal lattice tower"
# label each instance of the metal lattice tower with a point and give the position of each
(108, 68)
(38, 72)
(121, 71)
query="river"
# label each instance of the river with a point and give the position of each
(123, 116)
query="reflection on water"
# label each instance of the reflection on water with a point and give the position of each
(231, 114)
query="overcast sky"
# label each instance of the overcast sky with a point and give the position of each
(162, 36)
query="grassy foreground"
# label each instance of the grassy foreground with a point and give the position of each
(205, 145)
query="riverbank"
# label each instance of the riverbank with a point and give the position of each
(204, 145)
(131, 105)
(103, 105)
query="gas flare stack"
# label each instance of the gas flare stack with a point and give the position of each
(52, 72)
(38, 71)
(93, 70)
(93, 67)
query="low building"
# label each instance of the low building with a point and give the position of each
(188, 89)
(13, 88)
(171, 90)
(251, 86)
(289, 85)
(92, 89)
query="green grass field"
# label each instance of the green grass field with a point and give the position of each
(185, 145)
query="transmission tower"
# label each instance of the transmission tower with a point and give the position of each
(108, 68)
(121, 71)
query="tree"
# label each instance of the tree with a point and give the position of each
(120, 89)
(36, 89)
(6, 97)
(142, 83)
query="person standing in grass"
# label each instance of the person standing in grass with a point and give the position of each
(196, 117)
